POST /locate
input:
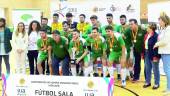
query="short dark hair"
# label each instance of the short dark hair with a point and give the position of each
(69, 14)
(43, 30)
(76, 30)
(55, 14)
(152, 26)
(134, 20)
(4, 21)
(109, 14)
(65, 22)
(44, 19)
(83, 15)
(109, 28)
(95, 28)
(123, 16)
(93, 17)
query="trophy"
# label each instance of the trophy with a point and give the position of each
(73, 59)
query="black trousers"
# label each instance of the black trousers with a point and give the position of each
(137, 65)
(32, 58)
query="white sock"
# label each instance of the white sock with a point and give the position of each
(95, 70)
(118, 66)
(127, 72)
(111, 71)
(123, 71)
(104, 71)
(88, 70)
(73, 71)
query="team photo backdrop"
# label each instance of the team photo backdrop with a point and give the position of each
(131, 8)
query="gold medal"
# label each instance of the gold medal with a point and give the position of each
(110, 49)
(134, 41)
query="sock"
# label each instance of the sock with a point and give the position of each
(104, 71)
(88, 70)
(73, 71)
(118, 66)
(95, 68)
(123, 71)
(127, 72)
(111, 71)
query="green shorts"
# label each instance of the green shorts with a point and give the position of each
(42, 56)
(115, 56)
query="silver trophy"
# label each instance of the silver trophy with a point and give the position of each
(73, 57)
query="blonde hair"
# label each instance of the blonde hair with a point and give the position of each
(165, 18)
(23, 31)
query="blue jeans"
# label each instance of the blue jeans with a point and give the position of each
(65, 65)
(149, 64)
(6, 60)
(166, 66)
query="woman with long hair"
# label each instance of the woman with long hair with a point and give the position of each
(20, 44)
(33, 31)
(164, 47)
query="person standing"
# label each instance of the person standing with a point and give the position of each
(116, 53)
(43, 44)
(137, 38)
(151, 57)
(5, 45)
(58, 51)
(164, 47)
(33, 35)
(56, 25)
(20, 45)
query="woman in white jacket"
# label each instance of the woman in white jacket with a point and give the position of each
(163, 45)
(20, 44)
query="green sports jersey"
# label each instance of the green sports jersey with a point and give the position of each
(125, 31)
(68, 35)
(97, 46)
(114, 47)
(40, 44)
(115, 44)
(60, 49)
(80, 46)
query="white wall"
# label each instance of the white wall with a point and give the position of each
(155, 9)
(2, 12)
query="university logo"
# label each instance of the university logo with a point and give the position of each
(90, 84)
(22, 81)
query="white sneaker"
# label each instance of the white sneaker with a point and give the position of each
(123, 83)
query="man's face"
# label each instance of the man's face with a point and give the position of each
(82, 19)
(94, 33)
(109, 32)
(93, 21)
(69, 19)
(75, 35)
(122, 21)
(132, 25)
(109, 19)
(44, 22)
(65, 27)
(43, 34)
(56, 37)
(55, 18)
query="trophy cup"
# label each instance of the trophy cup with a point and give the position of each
(73, 59)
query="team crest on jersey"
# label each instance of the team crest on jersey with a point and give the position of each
(61, 46)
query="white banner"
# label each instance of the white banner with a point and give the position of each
(41, 85)
(131, 8)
